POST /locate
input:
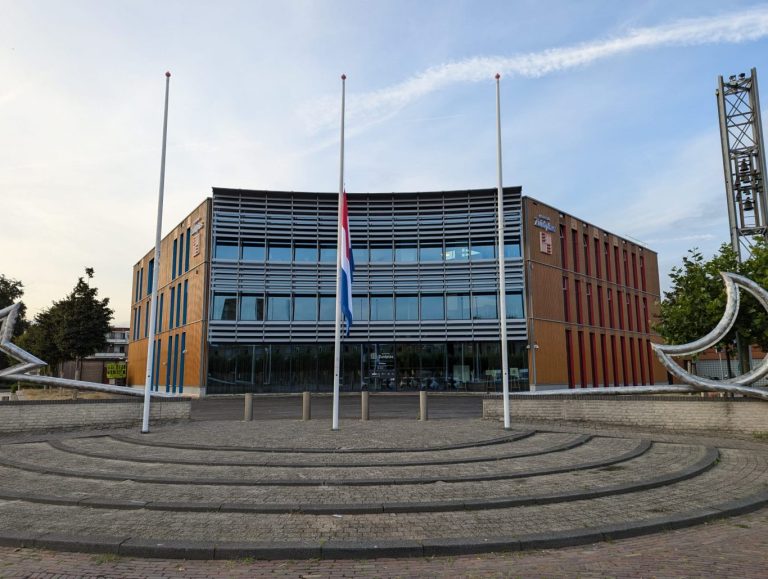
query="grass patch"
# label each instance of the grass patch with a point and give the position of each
(105, 558)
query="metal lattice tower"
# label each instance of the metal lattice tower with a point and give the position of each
(741, 136)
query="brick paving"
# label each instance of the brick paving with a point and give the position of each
(740, 473)
(737, 547)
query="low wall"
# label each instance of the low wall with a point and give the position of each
(31, 415)
(683, 413)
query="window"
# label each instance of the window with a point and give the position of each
(629, 313)
(181, 253)
(457, 306)
(305, 253)
(175, 248)
(598, 265)
(150, 275)
(614, 362)
(649, 357)
(626, 268)
(430, 252)
(512, 248)
(575, 246)
(224, 306)
(224, 249)
(593, 359)
(515, 306)
(641, 360)
(279, 252)
(456, 250)
(186, 254)
(617, 264)
(638, 319)
(359, 309)
(607, 256)
(305, 308)
(577, 284)
(632, 359)
(159, 319)
(279, 308)
(590, 311)
(587, 264)
(381, 308)
(328, 309)
(483, 250)
(645, 314)
(620, 308)
(566, 301)
(406, 253)
(563, 248)
(484, 307)
(624, 374)
(406, 308)
(328, 253)
(170, 310)
(610, 308)
(604, 358)
(178, 305)
(184, 314)
(582, 360)
(600, 316)
(251, 307)
(634, 271)
(181, 363)
(642, 272)
(569, 359)
(253, 251)
(432, 308)
(381, 254)
(137, 286)
(146, 322)
(360, 254)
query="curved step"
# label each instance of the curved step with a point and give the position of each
(642, 447)
(710, 458)
(213, 535)
(573, 443)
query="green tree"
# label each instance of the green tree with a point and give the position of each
(696, 301)
(72, 328)
(11, 291)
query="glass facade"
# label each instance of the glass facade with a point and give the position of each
(393, 367)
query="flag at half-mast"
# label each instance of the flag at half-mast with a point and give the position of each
(347, 264)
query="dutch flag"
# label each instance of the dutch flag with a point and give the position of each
(347, 264)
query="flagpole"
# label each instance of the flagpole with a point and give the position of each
(339, 249)
(155, 271)
(502, 273)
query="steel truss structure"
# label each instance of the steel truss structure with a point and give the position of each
(741, 137)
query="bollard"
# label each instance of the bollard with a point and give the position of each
(423, 409)
(364, 405)
(248, 413)
(306, 406)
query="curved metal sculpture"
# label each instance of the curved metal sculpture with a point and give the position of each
(693, 383)
(28, 362)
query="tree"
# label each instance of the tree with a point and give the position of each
(72, 328)
(696, 301)
(11, 291)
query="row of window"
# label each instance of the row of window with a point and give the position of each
(451, 366)
(581, 248)
(174, 364)
(407, 252)
(624, 303)
(177, 312)
(638, 359)
(180, 264)
(257, 307)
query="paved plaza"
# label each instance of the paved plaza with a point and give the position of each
(389, 497)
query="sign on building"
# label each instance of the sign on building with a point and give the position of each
(116, 370)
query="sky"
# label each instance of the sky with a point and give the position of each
(608, 112)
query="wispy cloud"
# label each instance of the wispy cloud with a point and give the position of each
(366, 109)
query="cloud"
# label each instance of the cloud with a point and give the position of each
(370, 108)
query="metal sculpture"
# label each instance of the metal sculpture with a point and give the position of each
(28, 362)
(693, 383)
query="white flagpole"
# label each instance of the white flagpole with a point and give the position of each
(502, 274)
(155, 271)
(339, 249)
